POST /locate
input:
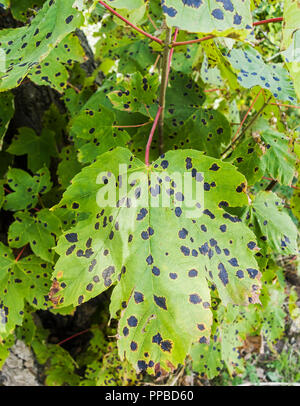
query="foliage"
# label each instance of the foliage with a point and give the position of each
(188, 278)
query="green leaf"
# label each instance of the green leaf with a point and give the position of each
(247, 157)
(40, 231)
(53, 70)
(278, 159)
(7, 109)
(26, 188)
(26, 280)
(253, 71)
(211, 16)
(5, 344)
(147, 249)
(291, 41)
(128, 4)
(137, 94)
(94, 132)
(39, 149)
(26, 47)
(184, 97)
(68, 166)
(22, 10)
(273, 227)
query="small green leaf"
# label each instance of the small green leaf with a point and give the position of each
(26, 188)
(273, 227)
(26, 280)
(7, 109)
(40, 230)
(39, 149)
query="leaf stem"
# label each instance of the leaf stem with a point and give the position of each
(165, 66)
(151, 135)
(130, 24)
(270, 20)
(195, 41)
(73, 336)
(246, 115)
(245, 129)
(20, 253)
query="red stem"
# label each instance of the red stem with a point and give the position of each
(270, 20)
(294, 187)
(246, 115)
(151, 135)
(73, 336)
(193, 41)
(131, 126)
(285, 105)
(20, 253)
(130, 24)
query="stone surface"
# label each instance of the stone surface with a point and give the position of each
(19, 368)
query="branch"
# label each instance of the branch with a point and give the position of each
(130, 24)
(151, 135)
(270, 20)
(194, 41)
(165, 67)
(246, 128)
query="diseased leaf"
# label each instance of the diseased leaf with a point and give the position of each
(26, 47)
(52, 71)
(26, 188)
(22, 10)
(40, 230)
(253, 71)
(278, 159)
(25, 280)
(7, 109)
(231, 17)
(273, 227)
(247, 157)
(68, 166)
(146, 248)
(39, 149)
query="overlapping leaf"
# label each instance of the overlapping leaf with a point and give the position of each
(39, 230)
(52, 71)
(254, 71)
(39, 149)
(231, 17)
(278, 159)
(273, 227)
(26, 280)
(147, 249)
(25, 188)
(7, 109)
(27, 46)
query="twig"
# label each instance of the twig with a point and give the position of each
(285, 105)
(271, 20)
(151, 135)
(130, 24)
(193, 41)
(73, 336)
(246, 115)
(132, 126)
(294, 187)
(20, 253)
(245, 129)
(166, 66)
